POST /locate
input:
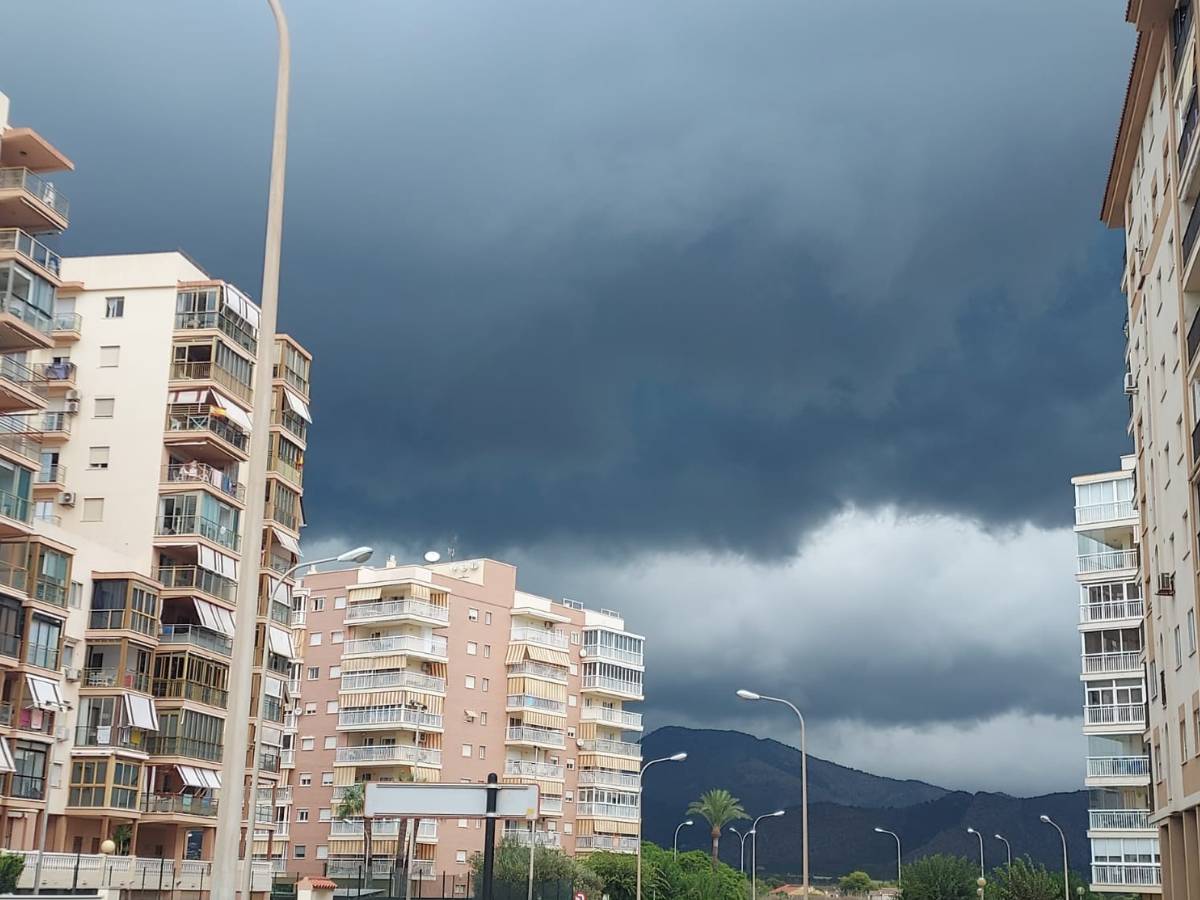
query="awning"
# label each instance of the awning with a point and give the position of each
(546, 655)
(141, 712)
(192, 396)
(213, 617)
(197, 777)
(279, 596)
(211, 560)
(298, 406)
(364, 594)
(374, 663)
(280, 642)
(272, 736)
(289, 542)
(233, 411)
(242, 305)
(274, 687)
(543, 720)
(43, 693)
(6, 757)
(515, 654)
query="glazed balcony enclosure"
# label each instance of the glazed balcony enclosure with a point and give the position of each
(31, 201)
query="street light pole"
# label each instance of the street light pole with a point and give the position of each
(753, 832)
(751, 695)
(1066, 870)
(1007, 846)
(742, 838)
(237, 721)
(675, 757)
(982, 872)
(675, 848)
(898, 857)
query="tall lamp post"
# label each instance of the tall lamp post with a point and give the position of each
(754, 850)
(898, 857)
(1007, 847)
(675, 757)
(751, 695)
(982, 871)
(1066, 870)
(742, 860)
(675, 848)
(237, 721)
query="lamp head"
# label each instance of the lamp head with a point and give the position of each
(108, 847)
(748, 695)
(981, 881)
(677, 757)
(689, 822)
(998, 837)
(972, 831)
(880, 830)
(1045, 819)
(778, 812)
(752, 831)
(357, 555)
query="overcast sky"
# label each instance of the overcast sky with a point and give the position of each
(779, 326)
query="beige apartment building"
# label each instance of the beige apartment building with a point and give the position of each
(125, 402)
(1153, 196)
(448, 672)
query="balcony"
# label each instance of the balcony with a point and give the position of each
(1119, 819)
(204, 475)
(606, 811)
(385, 716)
(628, 689)
(528, 701)
(1117, 661)
(66, 327)
(51, 475)
(546, 637)
(551, 806)
(539, 670)
(174, 745)
(195, 525)
(613, 748)
(122, 737)
(299, 617)
(21, 387)
(49, 591)
(618, 717)
(209, 371)
(399, 643)
(291, 423)
(519, 768)
(55, 427)
(388, 753)
(166, 689)
(188, 421)
(287, 759)
(1108, 561)
(179, 804)
(397, 609)
(60, 376)
(606, 843)
(290, 376)
(626, 781)
(612, 654)
(1132, 876)
(194, 578)
(15, 243)
(381, 828)
(1115, 714)
(372, 681)
(529, 734)
(1111, 611)
(1104, 512)
(523, 837)
(31, 202)
(103, 677)
(196, 636)
(1136, 767)
(221, 320)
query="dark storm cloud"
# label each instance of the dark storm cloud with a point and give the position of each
(686, 274)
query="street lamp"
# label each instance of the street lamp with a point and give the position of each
(742, 838)
(751, 695)
(1066, 878)
(982, 883)
(1007, 846)
(980, 836)
(675, 850)
(754, 850)
(897, 837)
(675, 757)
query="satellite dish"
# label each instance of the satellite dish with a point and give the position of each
(432, 556)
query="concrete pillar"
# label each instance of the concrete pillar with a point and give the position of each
(1189, 843)
(60, 834)
(1179, 874)
(1164, 850)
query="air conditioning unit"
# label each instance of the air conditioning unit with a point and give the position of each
(1166, 584)
(61, 733)
(71, 673)
(71, 406)
(72, 394)
(66, 498)
(1130, 383)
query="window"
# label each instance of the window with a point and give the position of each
(487, 651)
(97, 457)
(114, 307)
(572, 700)
(330, 741)
(1178, 649)
(575, 637)
(336, 637)
(570, 764)
(331, 706)
(570, 731)
(326, 779)
(462, 823)
(460, 856)
(339, 602)
(93, 509)
(1153, 680)
(308, 743)
(325, 815)
(470, 682)
(88, 779)
(1191, 624)
(472, 648)
(467, 750)
(305, 779)
(322, 851)
(299, 851)
(335, 671)
(487, 618)
(318, 604)
(482, 752)
(483, 718)
(110, 357)
(472, 615)
(105, 406)
(314, 639)
(569, 796)
(567, 828)
(310, 709)
(302, 815)
(314, 672)
(486, 682)
(76, 595)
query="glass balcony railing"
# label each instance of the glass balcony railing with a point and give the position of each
(541, 704)
(521, 768)
(31, 249)
(388, 715)
(224, 535)
(606, 842)
(196, 578)
(56, 423)
(16, 372)
(612, 748)
(210, 371)
(174, 745)
(66, 322)
(196, 636)
(181, 804)
(202, 473)
(168, 689)
(51, 473)
(224, 321)
(42, 189)
(529, 734)
(609, 716)
(626, 781)
(399, 643)
(120, 736)
(103, 677)
(546, 637)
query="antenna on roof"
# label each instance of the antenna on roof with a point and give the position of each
(450, 550)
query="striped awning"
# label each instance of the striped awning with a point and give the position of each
(543, 720)
(545, 690)
(546, 655)
(515, 654)
(374, 663)
(605, 761)
(607, 826)
(368, 592)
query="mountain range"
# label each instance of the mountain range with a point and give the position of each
(845, 806)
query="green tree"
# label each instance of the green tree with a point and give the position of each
(857, 882)
(352, 806)
(11, 867)
(122, 836)
(940, 877)
(1025, 880)
(550, 866)
(690, 877)
(719, 808)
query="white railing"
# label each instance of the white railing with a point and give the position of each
(1114, 609)
(607, 810)
(380, 828)
(352, 868)
(531, 734)
(1129, 875)
(599, 651)
(399, 643)
(1118, 766)
(524, 769)
(299, 617)
(62, 871)
(1115, 661)
(609, 716)
(608, 842)
(614, 685)
(1107, 561)
(1103, 512)
(370, 681)
(387, 715)
(1115, 714)
(1119, 819)
(528, 701)
(405, 753)
(629, 781)
(551, 806)
(396, 609)
(287, 758)
(539, 670)
(547, 637)
(541, 838)
(616, 748)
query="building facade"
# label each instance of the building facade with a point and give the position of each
(448, 672)
(1152, 196)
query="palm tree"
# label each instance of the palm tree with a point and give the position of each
(352, 806)
(719, 808)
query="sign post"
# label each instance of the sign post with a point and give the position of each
(489, 837)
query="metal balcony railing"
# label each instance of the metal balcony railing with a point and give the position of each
(224, 321)
(196, 636)
(384, 753)
(370, 681)
(1111, 610)
(169, 689)
(388, 715)
(547, 637)
(173, 745)
(203, 473)
(606, 842)
(400, 643)
(211, 371)
(41, 189)
(609, 716)
(606, 811)
(614, 748)
(1115, 714)
(627, 781)
(1119, 819)
(186, 804)
(193, 417)
(1134, 876)
(196, 578)
(539, 670)
(542, 838)
(1118, 766)
(196, 524)
(524, 769)
(530, 734)
(1118, 661)
(528, 701)
(1103, 512)
(396, 609)
(1107, 561)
